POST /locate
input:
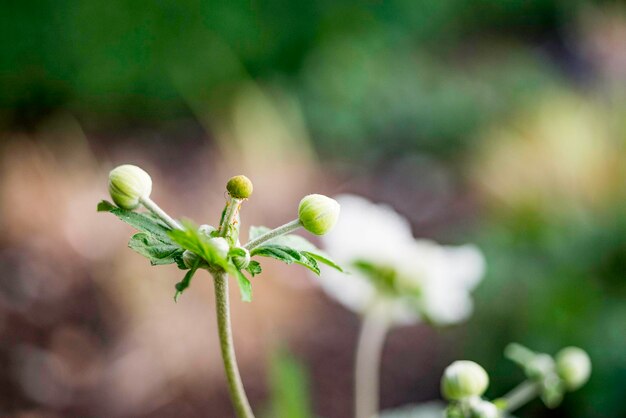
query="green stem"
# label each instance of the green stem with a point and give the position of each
(520, 395)
(154, 208)
(235, 386)
(367, 371)
(281, 230)
(222, 306)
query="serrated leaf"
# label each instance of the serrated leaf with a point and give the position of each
(185, 282)
(190, 239)
(142, 221)
(254, 268)
(296, 242)
(287, 255)
(152, 242)
(155, 250)
(245, 287)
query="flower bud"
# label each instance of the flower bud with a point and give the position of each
(221, 246)
(239, 187)
(206, 229)
(241, 261)
(573, 366)
(127, 184)
(480, 408)
(190, 260)
(318, 214)
(463, 379)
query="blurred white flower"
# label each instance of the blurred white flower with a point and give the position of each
(395, 275)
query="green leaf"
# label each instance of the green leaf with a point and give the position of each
(245, 287)
(296, 242)
(254, 268)
(287, 255)
(190, 239)
(153, 241)
(142, 221)
(154, 249)
(185, 282)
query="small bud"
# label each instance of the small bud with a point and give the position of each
(318, 214)
(239, 187)
(221, 246)
(573, 366)
(241, 261)
(206, 229)
(190, 260)
(463, 379)
(480, 408)
(127, 184)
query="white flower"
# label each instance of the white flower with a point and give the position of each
(393, 273)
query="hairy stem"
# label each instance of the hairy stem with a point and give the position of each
(222, 307)
(281, 230)
(154, 208)
(367, 371)
(235, 386)
(519, 396)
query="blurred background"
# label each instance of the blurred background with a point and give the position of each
(496, 122)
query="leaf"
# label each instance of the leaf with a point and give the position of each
(287, 255)
(254, 268)
(153, 241)
(185, 282)
(155, 250)
(296, 242)
(245, 287)
(142, 221)
(190, 239)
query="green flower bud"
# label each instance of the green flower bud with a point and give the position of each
(221, 246)
(318, 214)
(239, 187)
(241, 261)
(463, 379)
(206, 229)
(127, 184)
(573, 366)
(480, 408)
(190, 260)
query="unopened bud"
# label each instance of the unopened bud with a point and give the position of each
(127, 184)
(318, 214)
(190, 259)
(480, 408)
(239, 187)
(464, 379)
(221, 246)
(241, 261)
(573, 366)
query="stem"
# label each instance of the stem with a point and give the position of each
(368, 355)
(235, 386)
(232, 208)
(281, 230)
(154, 208)
(222, 307)
(520, 395)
